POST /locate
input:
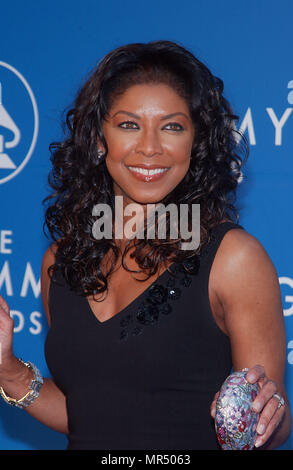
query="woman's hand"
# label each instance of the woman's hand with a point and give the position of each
(6, 337)
(270, 407)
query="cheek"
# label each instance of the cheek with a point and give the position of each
(119, 145)
(179, 148)
(181, 159)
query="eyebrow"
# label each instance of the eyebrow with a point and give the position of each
(169, 116)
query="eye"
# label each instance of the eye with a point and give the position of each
(128, 125)
(174, 126)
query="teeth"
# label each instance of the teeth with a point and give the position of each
(147, 172)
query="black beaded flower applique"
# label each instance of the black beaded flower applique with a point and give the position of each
(159, 298)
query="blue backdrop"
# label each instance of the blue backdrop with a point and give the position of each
(47, 49)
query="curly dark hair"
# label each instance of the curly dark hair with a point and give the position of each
(80, 179)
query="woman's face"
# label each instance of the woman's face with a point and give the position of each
(148, 127)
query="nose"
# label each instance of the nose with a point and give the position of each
(149, 143)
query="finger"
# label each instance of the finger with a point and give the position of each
(213, 405)
(267, 415)
(256, 373)
(271, 427)
(267, 390)
(4, 306)
(216, 396)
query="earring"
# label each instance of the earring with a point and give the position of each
(100, 154)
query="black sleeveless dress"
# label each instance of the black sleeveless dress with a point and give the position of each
(145, 378)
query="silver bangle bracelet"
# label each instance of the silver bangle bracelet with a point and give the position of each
(33, 392)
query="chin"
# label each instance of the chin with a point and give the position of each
(152, 199)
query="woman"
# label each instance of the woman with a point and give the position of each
(142, 332)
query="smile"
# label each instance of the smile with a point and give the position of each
(144, 171)
(147, 175)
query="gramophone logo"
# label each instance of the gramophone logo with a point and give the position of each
(19, 122)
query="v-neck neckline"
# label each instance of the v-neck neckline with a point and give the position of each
(130, 305)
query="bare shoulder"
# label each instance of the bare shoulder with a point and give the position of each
(243, 254)
(243, 263)
(47, 261)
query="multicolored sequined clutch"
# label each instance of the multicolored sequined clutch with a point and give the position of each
(235, 421)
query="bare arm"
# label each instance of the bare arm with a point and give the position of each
(252, 317)
(50, 407)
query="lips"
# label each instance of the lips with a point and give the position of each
(148, 167)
